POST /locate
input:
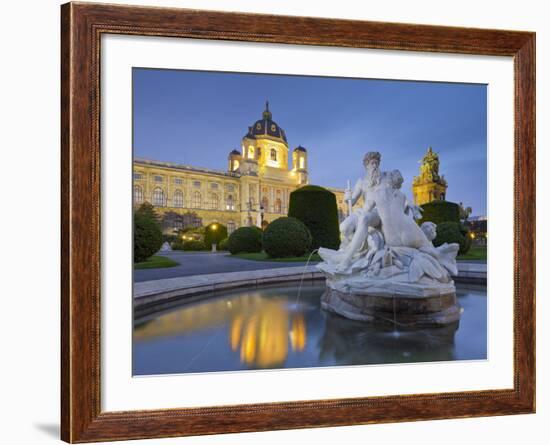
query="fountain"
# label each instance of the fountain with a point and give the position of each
(387, 268)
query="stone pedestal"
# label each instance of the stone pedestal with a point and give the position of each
(430, 308)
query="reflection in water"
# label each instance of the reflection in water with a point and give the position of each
(263, 335)
(268, 328)
(349, 342)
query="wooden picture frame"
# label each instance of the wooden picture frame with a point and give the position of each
(82, 26)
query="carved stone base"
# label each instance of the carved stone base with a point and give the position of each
(438, 309)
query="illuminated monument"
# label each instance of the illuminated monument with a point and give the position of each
(429, 186)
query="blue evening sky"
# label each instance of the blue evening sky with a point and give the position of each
(197, 118)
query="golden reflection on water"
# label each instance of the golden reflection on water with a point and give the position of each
(261, 329)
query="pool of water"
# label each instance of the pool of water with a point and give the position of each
(273, 327)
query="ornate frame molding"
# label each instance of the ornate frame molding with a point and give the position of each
(82, 25)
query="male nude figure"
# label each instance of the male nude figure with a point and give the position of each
(355, 227)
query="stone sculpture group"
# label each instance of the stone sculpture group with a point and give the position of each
(387, 264)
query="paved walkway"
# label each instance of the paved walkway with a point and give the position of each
(198, 263)
(154, 291)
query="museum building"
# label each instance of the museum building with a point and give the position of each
(253, 190)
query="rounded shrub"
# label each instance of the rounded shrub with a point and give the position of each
(214, 233)
(222, 245)
(287, 237)
(453, 232)
(440, 211)
(245, 239)
(316, 207)
(147, 237)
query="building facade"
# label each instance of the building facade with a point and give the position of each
(253, 190)
(429, 186)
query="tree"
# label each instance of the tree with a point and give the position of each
(214, 233)
(147, 233)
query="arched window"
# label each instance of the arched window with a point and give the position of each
(251, 152)
(197, 200)
(178, 198)
(138, 194)
(158, 197)
(278, 205)
(252, 202)
(230, 204)
(302, 162)
(214, 201)
(274, 155)
(231, 227)
(265, 204)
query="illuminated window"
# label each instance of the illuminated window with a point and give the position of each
(231, 226)
(230, 204)
(302, 162)
(158, 197)
(274, 155)
(214, 201)
(157, 178)
(178, 198)
(265, 203)
(137, 176)
(251, 152)
(235, 164)
(138, 195)
(197, 200)
(252, 202)
(278, 205)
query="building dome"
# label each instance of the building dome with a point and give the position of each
(235, 152)
(300, 148)
(267, 128)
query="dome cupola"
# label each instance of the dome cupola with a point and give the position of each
(235, 160)
(266, 128)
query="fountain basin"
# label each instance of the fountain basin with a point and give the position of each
(269, 326)
(421, 310)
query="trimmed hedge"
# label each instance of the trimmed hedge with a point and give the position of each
(316, 207)
(214, 233)
(440, 211)
(245, 239)
(287, 237)
(190, 245)
(147, 234)
(453, 232)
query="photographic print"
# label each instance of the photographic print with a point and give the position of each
(285, 221)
